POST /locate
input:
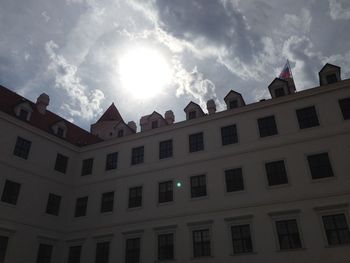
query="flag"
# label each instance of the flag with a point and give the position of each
(286, 72)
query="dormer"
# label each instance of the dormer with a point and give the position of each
(23, 111)
(60, 129)
(193, 111)
(234, 100)
(279, 88)
(152, 121)
(329, 74)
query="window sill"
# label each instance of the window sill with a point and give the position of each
(166, 203)
(291, 250)
(131, 209)
(243, 254)
(202, 257)
(338, 245)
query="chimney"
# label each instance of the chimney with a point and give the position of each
(42, 102)
(211, 107)
(169, 117)
(132, 125)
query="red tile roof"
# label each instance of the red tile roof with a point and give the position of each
(75, 135)
(111, 114)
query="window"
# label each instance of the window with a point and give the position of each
(120, 133)
(345, 108)
(336, 228)
(201, 243)
(233, 104)
(135, 197)
(166, 246)
(307, 117)
(132, 250)
(320, 166)
(102, 252)
(198, 186)
(22, 148)
(111, 161)
(87, 166)
(279, 92)
(23, 115)
(229, 135)
(61, 163)
(288, 234)
(192, 115)
(241, 239)
(107, 202)
(137, 155)
(196, 142)
(234, 180)
(74, 254)
(60, 132)
(165, 193)
(11, 192)
(53, 204)
(44, 253)
(3, 248)
(81, 206)
(332, 78)
(267, 126)
(154, 124)
(166, 149)
(276, 173)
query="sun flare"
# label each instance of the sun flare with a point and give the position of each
(144, 72)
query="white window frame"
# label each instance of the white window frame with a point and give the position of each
(201, 225)
(170, 229)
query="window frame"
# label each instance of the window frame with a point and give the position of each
(320, 179)
(235, 139)
(343, 112)
(61, 160)
(301, 119)
(3, 192)
(85, 166)
(267, 162)
(136, 159)
(225, 181)
(142, 197)
(197, 148)
(201, 225)
(18, 150)
(101, 211)
(206, 187)
(276, 126)
(167, 149)
(98, 240)
(173, 192)
(48, 209)
(131, 235)
(111, 164)
(76, 205)
(163, 230)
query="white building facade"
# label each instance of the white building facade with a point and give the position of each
(261, 182)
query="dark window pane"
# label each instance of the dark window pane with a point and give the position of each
(233, 104)
(198, 186)
(132, 250)
(336, 228)
(135, 197)
(53, 204)
(196, 142)
(332, 78)
(165, 149)
(61, 163)
(166, 246)
(22, 148)
(74, 254)
(267, 126)
(137, 155)
(201, 243)
(60, 132)
(112, 161)
(229, 135)
(3, 247)
(87, 166)
(107, 202)
(23, 115)
(307, 117)
(288, 234)
(120, 133)
(44, 253)
(102, 252)
(11, 192)
(276, 173)
(234, 180)
(345, 108)
(192, 115)
(279, 92)
(154, 124)
(241, 239)
(320, 166)
(81, 206)
(165, 192)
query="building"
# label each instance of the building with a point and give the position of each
(261, 182)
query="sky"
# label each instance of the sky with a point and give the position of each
(158, 55)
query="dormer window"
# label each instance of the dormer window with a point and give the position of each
(154, 124)
(23, 115)
(60, 129)
(60, 132)
(233, 104)
(279, 92)
(23, 111)
(332, 78)
(120, 133)
(192, 115)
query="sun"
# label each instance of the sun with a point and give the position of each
(144, 72)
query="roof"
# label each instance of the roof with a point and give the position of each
(111, 114)
(194, 104)
(75, 135)
(328, 65)
(232, 91)
(278, 80)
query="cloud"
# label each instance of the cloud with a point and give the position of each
(83, 103)
(297, 24)
(339, 9)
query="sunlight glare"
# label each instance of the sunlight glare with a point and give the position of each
(144, 72)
